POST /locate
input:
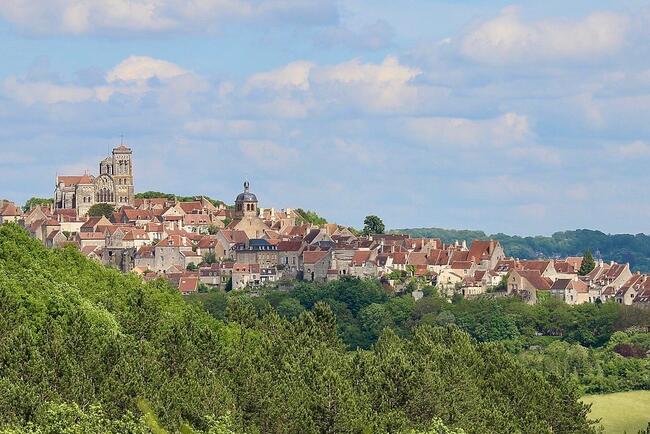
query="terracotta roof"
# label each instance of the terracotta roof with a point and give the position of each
(418, 258)
(10, 210)
(360, 257)
(481, 249)
(196, 219)
(289, 246)
(535, 278)
(90, 235)
(68, 181)
(173, 241)
(136, 235)
(399, 258)
(314, 256)
(462, 265)
(145, 252)
(188, 284)
(540, 266)
(191, 207)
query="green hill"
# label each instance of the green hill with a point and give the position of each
(84, 348)
(622, 248)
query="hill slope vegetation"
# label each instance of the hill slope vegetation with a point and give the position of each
(84, 344)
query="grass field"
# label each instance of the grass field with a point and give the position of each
(624, 412)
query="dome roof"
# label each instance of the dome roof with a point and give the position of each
(246, 196)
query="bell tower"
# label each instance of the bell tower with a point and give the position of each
(122, 169)
(246, 203)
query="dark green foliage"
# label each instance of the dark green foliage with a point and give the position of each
(588, 263)
(310, 217)
(86, 344)
(373, 225)
(101, 209)
(36, 201)
(622, 248)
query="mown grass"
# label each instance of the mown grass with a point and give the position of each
(623, 412)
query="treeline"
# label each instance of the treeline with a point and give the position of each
(550, 336)
(81, 345)
(171, 196)
(621, 248)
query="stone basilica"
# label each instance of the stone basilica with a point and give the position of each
(114, 185)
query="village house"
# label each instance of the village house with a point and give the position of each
(527, 283)
(315, 265)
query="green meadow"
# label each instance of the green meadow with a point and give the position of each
(623, 412)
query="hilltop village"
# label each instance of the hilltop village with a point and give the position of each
(200, 245)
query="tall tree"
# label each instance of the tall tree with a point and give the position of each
(588, 263)
(373, 225)
(101, 209)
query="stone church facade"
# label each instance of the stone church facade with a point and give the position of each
(114, 185)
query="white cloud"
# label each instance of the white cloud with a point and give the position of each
(508, 39)
(130, 78)
(106, 16)
(506, 130)
(142, 68)
(294, 75)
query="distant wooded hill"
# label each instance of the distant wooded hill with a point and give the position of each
(622, 248)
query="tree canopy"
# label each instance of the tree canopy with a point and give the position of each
(82, 345)
(36, 201)
(373, 225)
(588, 263)
(101, 209)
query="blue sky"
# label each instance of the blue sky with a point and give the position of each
(526, 118)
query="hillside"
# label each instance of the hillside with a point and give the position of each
(81, 345)
(622, 248)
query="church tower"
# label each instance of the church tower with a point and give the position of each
(122, 173)
(246, 203)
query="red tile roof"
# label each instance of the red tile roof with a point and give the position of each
(314, 256)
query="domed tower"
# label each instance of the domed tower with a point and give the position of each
(246, 203)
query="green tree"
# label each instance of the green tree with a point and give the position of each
(588, 263)
(36, 201)
(101, 209)
(373, 225)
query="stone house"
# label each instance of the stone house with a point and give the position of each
(10, 213)
(526, 284)
(168, 252)
(572, 291)
(315, 265)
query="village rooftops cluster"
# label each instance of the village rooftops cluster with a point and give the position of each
(196, 243)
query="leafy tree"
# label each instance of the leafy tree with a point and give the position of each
(310, 217)
(227, 221)
(101, 209)
(36, 201)
(192, 267)
(373, 225)
(588, 263)
(210, 258)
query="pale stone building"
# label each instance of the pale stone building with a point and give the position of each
(114, 185)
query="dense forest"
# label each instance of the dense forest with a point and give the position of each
(602, 347)
(621, 248)
(85, 348)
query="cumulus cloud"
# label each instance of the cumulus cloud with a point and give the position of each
(130, 78)
(114, 16)
(508, 129)
(295, 75)
(508, 39)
